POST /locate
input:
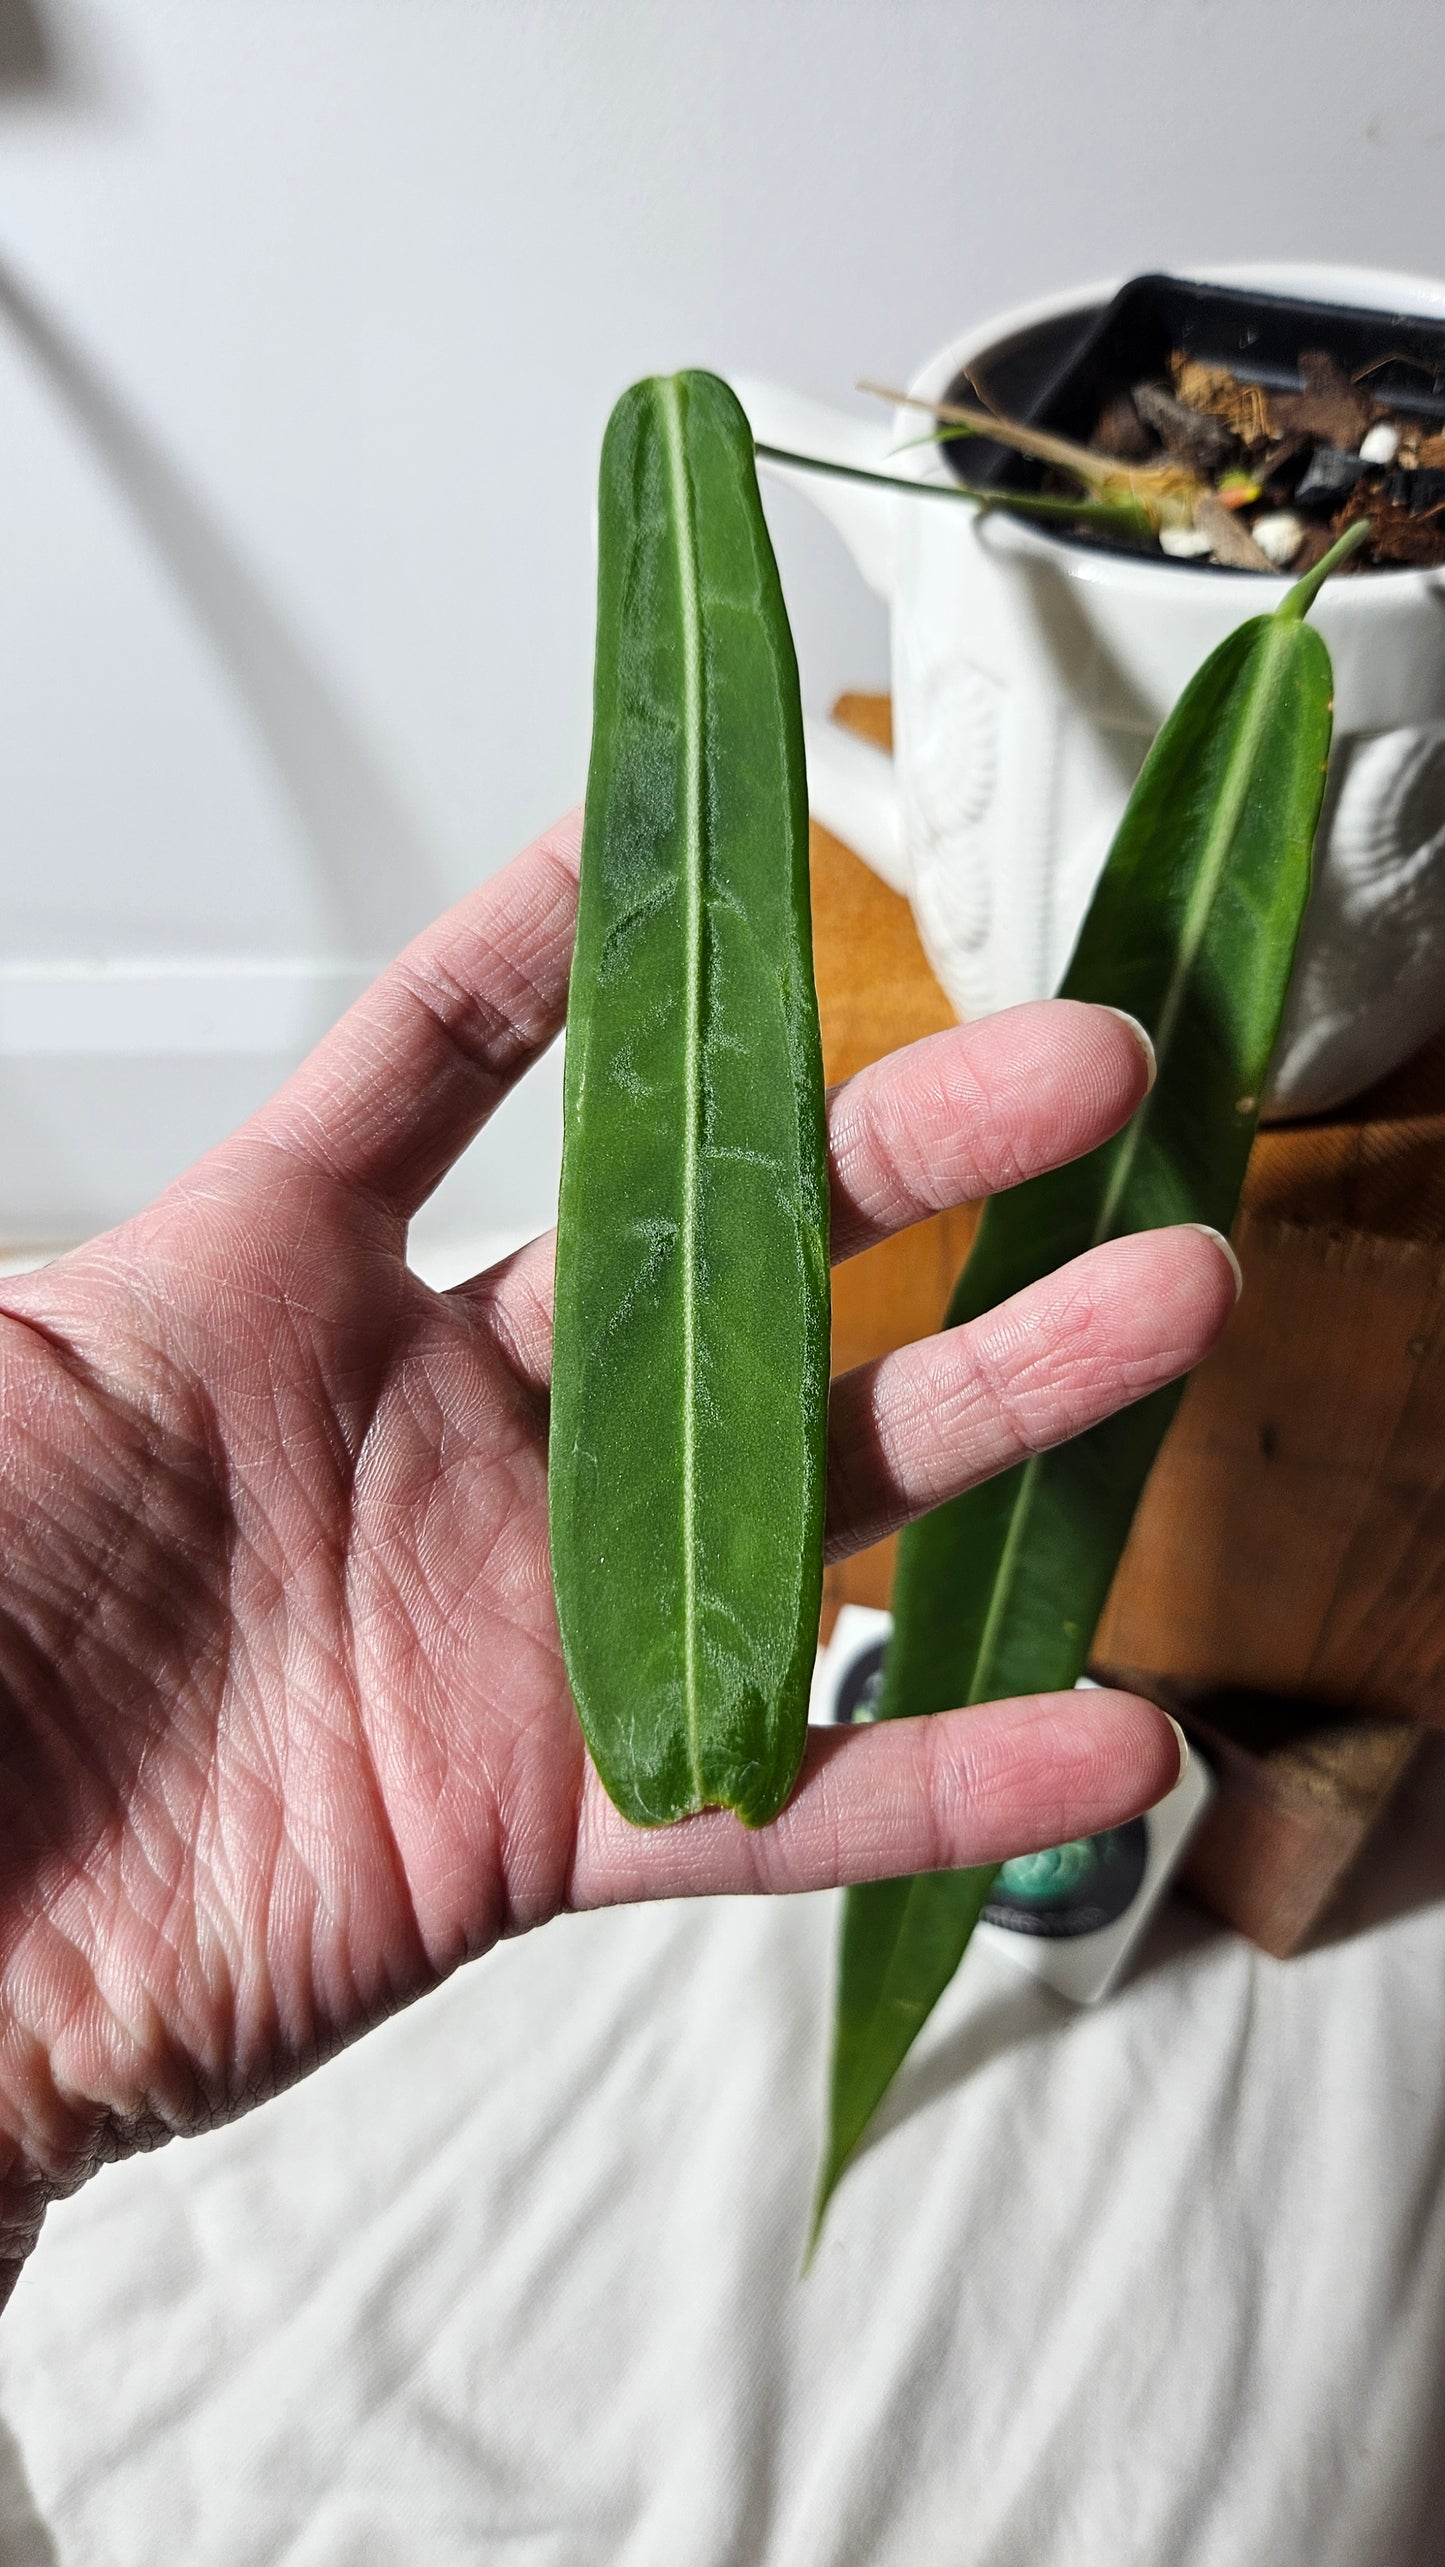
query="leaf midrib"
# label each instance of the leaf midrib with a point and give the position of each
(683, 518)
(1275, 643)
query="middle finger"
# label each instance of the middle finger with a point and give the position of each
(945, 1121)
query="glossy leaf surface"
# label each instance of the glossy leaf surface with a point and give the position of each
(1192, 929)
(689, 1393)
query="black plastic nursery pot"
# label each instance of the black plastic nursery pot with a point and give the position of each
(1063, 373)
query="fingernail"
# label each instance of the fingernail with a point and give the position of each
(1184, 1750)
(1222, 1244)
(1142, 1037)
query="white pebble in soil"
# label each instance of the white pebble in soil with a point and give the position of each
(1280, 535)
(1184, 543)
(1380, 444)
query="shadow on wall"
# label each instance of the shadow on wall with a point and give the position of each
(40, 65)
(378, 878)
(29, 56)
(24, 2538)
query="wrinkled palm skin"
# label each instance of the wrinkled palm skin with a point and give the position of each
(284, 1729)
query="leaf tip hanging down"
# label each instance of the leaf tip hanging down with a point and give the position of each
(828, 2176)
(902, 1942)
(1192, 930)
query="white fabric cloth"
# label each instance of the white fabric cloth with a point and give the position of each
(518, 2277)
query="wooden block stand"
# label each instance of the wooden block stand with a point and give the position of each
(1284, 1585)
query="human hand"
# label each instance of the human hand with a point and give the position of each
(284, 1730)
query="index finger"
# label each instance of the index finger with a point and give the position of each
(409, 1075)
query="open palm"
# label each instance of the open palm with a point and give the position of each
(284, 1730)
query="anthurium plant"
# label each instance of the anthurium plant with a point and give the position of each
(690, 1363)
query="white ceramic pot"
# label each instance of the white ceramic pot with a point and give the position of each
(1029, 676)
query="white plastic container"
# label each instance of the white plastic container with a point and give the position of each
(1029, 676)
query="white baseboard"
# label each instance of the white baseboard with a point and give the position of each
(116, 1075)
(156, 1007)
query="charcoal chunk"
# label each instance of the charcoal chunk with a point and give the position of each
(1422, 489)
(1331, 477)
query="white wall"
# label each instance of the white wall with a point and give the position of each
(311, 312)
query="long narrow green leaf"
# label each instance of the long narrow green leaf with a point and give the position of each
(1192, 929)
(689, 1387)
